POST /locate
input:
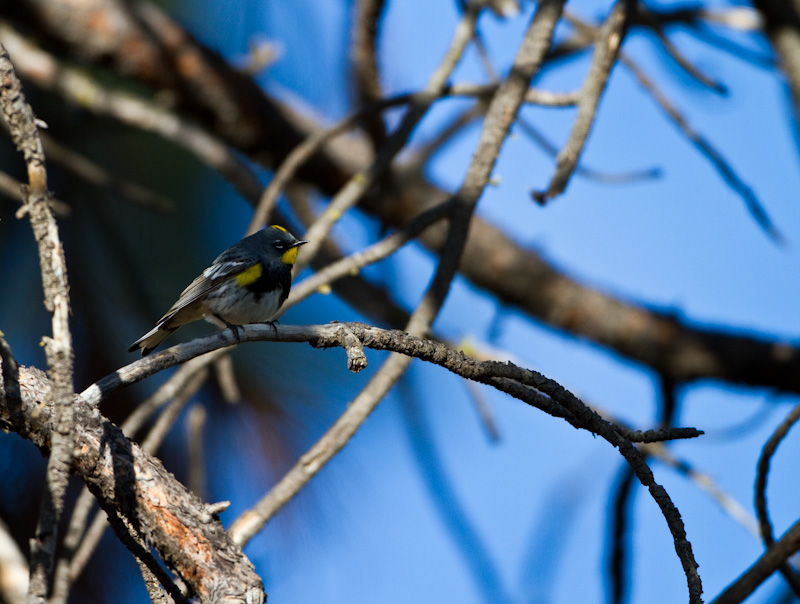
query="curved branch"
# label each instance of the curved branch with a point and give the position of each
(526, 385)
(761, 492)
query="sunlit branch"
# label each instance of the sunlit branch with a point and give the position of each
(24, 128)
(606, 49)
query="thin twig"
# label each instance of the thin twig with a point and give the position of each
(58, 348)
(618, 564)
(12, 188)
(364, 58)
(226, 380)
(705, 482)
(762, 474)
(759, 59)
(722, 166)
(480, 46)
(651, 20)
(195, 428)
(374, 253)
(534, 96)
(761, 569)
(455, 126)
(581, 170)
(484, 411)
(606, 50)
(64, 576)
(357, 186)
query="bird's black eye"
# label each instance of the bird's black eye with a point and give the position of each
(279, 245)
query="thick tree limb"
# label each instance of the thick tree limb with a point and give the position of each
(136, 490)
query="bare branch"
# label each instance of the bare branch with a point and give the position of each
(78, 546)
(140, 495)
(24, 132)
(722, 166)
(363, 54)
(792, 578)
(606, 50)
(761, 569)
(581, 170)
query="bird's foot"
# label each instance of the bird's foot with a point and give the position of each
(273, 324)
(233, 328)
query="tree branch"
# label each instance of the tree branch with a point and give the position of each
(25, 133)
(762, 474)
(606, 50)
(761, 569)
(135, 488)
(526, 385)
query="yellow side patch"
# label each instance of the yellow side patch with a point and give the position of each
(250, 275)
(290, 255)
(280, 228)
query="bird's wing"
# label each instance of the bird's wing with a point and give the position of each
(212, 277)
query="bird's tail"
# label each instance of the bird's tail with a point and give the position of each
(149, 341)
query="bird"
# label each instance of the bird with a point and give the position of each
(247, 283)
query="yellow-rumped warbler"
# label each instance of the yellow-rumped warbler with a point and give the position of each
(247, 283)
